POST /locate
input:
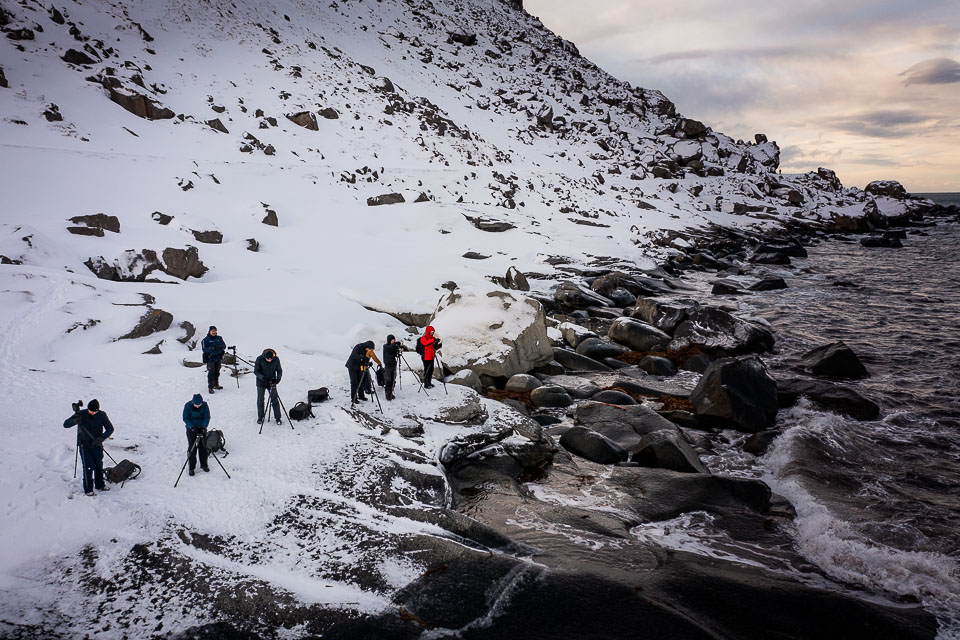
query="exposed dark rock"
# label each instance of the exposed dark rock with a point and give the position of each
(466, 39)
(577, 386)
(576, 362)
(592, 445)
(153, 321)
(486, 224)
(697, 363)
(86, 231)
(666, 449)
(155, 350)
(759, 443)
(514, 279)
(162, 218)
(886, 188)
(52, 113)
(189, 331)
(271, 218)
(575, 296)
(657, 365)
(791, 249)
(305, 119)
(473, 255)
(3, 79)
(522, 382)
(423, 197)
(726, 287)
(611, 396)
(827, 395)
(183, 263)
(386, 198)
(770, 258)
(737, 391)
(606, 284)
(883, 242)
(77, 57)
(137, 104)
(638, 335)
(769, 284)
(663, 315)
(550, 396)
(598, 349)
(98, 221)
(716, 331)
(208, 237)
(217, 125)
(253, 245)
(692, 128)
(329, 113)
(834, 360)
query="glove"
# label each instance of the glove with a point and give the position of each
(99, 441)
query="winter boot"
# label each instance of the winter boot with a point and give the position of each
(210, 390)
(192, 472)
(89, 493)
(279, 421)
(206, 468)
(217, 385)
(104, 488)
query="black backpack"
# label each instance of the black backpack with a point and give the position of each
(301, 411)
(124, 471)
(316, 396)
(215, 442)
(380, 378)
(420, 348)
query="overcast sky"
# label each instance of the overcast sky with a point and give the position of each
(870, 88)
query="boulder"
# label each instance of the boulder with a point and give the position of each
(665, 316)
(759, 443)
(522, 382)
(183, 263)
(469, 411)
(467, 444)
(769, 284)
(188, 332)
(574, 385)
(516, 280)
(217, 125)
(271, 218)
(153, 321)
(726, 287)
(738, 392)
(770, 258)
(330, 113)
(552, 368)
(207, 237)
(253, 245)
(575, 362)
(386, 198)
(625, 425)
(691, 128)
(793, 249)
(100, 221)
(305, 119)
(834, 360)
(886, 188)
(638, 335)
(657, 365)
(612, 396)
(697, 363)
(882, 242)
(716, 331)
(3, 80)
(467, 378)
(464, 38)
(592, 445)
(652, 386)
(74, 56)
(550, 396)
(607, 283)
(162, 218)
(574, 296)
(622, 298)
(499, 334)
(666, 449)
(490, 225)
(827, 395)
(574, 334)
(598, 349)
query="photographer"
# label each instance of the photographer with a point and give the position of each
(213, 347)
(427, 347)
(391, 356)
(268, 371)
(196, 418)
(93, 427)
(357, 365)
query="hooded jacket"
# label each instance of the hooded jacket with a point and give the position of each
(90, 426)
(196, 417)
(361, 355)
(430, 344)
(391, 352)
(267, 372)
(213, 346)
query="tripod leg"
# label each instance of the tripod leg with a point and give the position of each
(109, 456)
(374, 387)
(189, 453)
(76, 458)
(219, 463)
(264, 417)
(284, 408)
(442, 376)
(415, 376)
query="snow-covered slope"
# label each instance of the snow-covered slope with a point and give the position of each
(184, 117)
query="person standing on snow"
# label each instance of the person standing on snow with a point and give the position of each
(93, 427)
(268, 371)
(427, 347)
(357, 365)
(196, 417)
(213, 347)
(391, 355)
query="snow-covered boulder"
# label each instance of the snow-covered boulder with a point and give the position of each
(494, 333)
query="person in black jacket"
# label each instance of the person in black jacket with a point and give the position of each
(93, 427)
(213, 347)
(268, 371)
(391, 356)
(196, 417)
(357, 365)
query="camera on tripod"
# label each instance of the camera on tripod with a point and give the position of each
(77, 405)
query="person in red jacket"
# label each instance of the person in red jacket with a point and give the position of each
(427, 347)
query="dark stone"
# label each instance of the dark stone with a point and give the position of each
(387, 198)
(692, 128)
(684, 419)
(3, 80)
(137, 104)
(737, 391)
(715, 330)
(183, 263)
(189, 332)
(466, 39)
(665, 316)
(552, 368)
(253, 245)
(769, 284)
(726, 288)
(546, 420)
(423, 197)
(882, 242)
(52, 113)
(575, 362)
(99, 221)
(599, 349)
(592, 445)
(21, 34)
(208, 237)
(606, 284)
(666, 449)
(473, 255)
(886, 188)
(271, 218)
(515, 280)
(153, 321)
(610, 396)
(162, 218)
(549, 396)
(77, 57)
(305, 119)
(828, 396)
(697, 363)
(770, 258)
(575, 296)
(622, 298)
(793, 249)
(834, 360)
(493, 226)
(86, 231)
(657, 365)
(759, 443)
(217, 125)
(638, 335)
(155, 350)
(329, 113)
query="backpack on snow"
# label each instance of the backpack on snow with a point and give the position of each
(381, 381)
(125, 470)
(301, 411)
(316, 396)
(215, 442)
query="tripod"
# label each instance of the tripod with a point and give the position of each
(416, 377)
(236, 367)
(266, 409)
(373, 385)
(439, 362)
(190, 451)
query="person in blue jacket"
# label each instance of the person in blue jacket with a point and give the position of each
(213, 347)
(93, 427)
(196, 418)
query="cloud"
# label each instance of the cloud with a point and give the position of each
(933, 71)
(745, 52)
(885, 123)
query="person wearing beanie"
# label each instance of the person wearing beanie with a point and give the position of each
(196, 418)
(268, 371)
(93, 428)
(357, 366)
(427, 347)
(213, 348)
(391, 357)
